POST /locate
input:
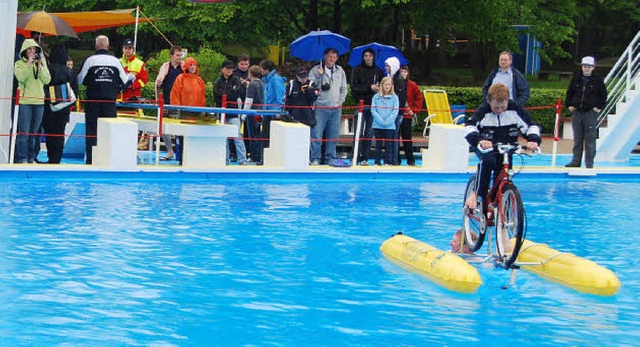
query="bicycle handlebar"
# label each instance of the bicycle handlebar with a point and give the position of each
(503, 148)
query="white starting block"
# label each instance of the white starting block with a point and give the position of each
(117, 144)
(289, 145)
(205, 146)
(448, 150)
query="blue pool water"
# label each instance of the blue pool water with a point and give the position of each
(193, 260)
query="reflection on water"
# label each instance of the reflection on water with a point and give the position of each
(190, 263)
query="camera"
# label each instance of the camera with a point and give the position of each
(37, 56)
(325, 86)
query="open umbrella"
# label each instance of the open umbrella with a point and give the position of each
(312, 45)
(46, 23)
(382, 53)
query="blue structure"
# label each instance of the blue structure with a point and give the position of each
(528, 62)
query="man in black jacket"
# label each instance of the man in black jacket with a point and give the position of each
(586, 96)
(365, 82)
(230, 85)
(104, 77)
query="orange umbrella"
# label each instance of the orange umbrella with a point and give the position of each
(46, 23)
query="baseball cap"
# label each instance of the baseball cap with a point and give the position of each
(127, 43)
(588, 61)
(228, 64)
(302, 72)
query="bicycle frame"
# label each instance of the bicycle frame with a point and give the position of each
(504, 177)
(501, 208)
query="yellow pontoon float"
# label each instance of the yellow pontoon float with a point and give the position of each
(445, 269)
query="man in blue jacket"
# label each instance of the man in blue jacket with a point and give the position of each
(510, 77)
(274, 90)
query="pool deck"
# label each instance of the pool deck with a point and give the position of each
(563, 149)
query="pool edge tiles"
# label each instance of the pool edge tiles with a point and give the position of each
(273, 174)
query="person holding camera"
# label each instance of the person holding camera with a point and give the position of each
(32, 74)
(333, 91)
(301, 94)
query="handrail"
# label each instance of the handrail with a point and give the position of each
(619, 79)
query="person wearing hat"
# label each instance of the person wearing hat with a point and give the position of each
(230, 85)
(301, 94)
(586, 96)
(133, 65)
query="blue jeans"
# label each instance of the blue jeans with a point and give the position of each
(29, 121)
(241, 151)
(326, 119)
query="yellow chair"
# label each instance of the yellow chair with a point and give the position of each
(438, 109)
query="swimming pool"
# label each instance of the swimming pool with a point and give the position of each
(226, 259)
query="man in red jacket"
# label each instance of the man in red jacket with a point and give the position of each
(133, 65)
(414, 105)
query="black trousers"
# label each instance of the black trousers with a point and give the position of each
(54, 124)
(407, 143)
(93, 111)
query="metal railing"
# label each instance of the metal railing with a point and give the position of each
(620, 79)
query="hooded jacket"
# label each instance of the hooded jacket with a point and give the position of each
(188, 89)
(399, 83)
(31, 78)
(274, 90)
(60, 73)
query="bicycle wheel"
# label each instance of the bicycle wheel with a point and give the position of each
(474, 222)
(509, 225)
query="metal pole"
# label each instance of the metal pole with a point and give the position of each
(14, 128)
(160, 102)
(356, 145)
(135, 34)
(556, 131)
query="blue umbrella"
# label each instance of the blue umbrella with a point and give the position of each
(312, 45)
(382, 52)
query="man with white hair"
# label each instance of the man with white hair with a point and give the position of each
(586, 96)
(104, 78)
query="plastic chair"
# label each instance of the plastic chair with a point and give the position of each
(438, 109)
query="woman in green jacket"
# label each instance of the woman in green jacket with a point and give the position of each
(32, 74)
